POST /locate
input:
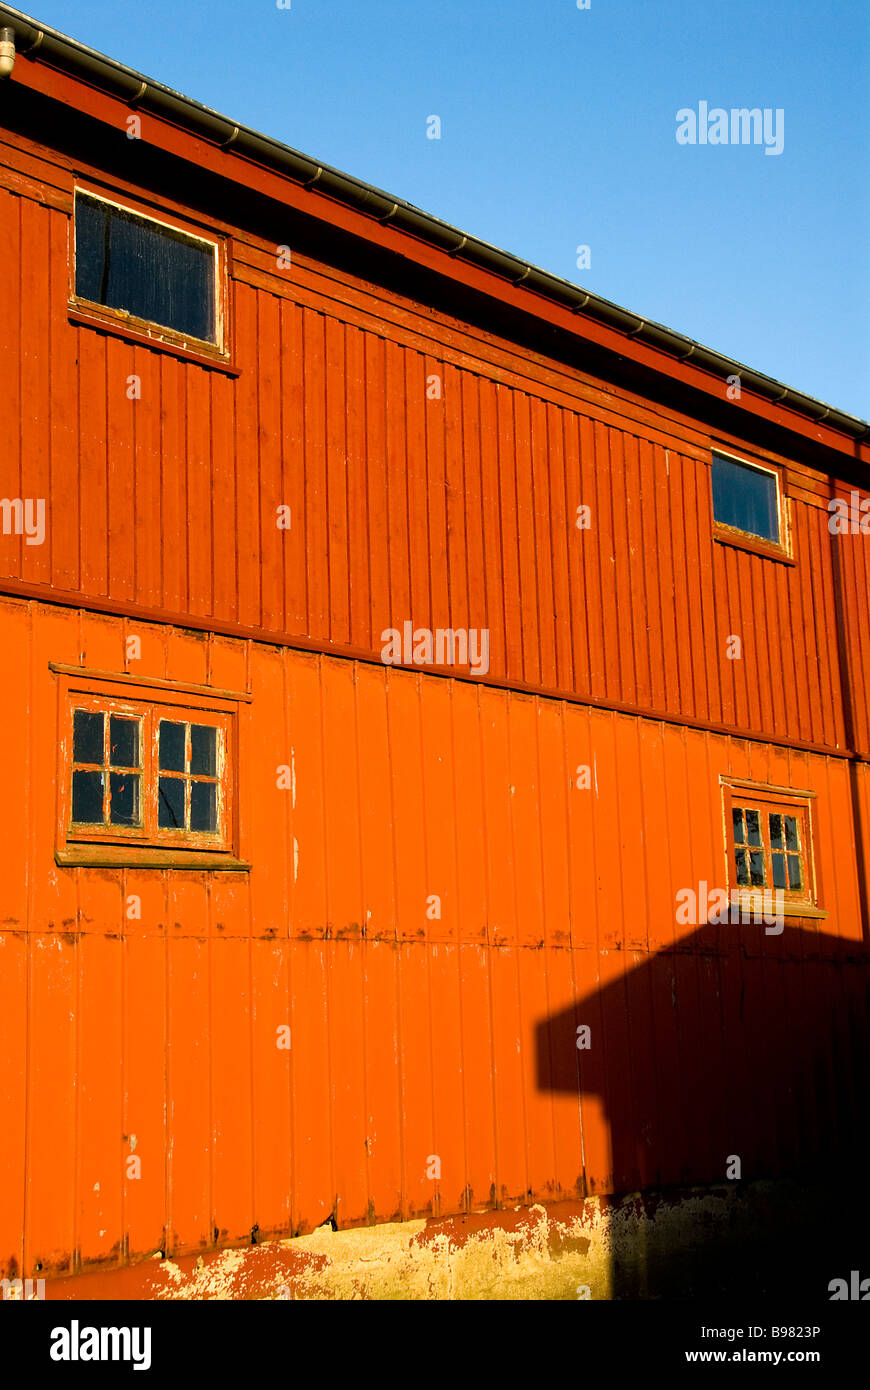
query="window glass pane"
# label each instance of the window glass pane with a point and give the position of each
(794, 871)
(87, 798)
(745, 497)
(753, 827)
(737, 816)
(90, 243)
(778, 865)
(124, 798)
(756, 868)
(775, 832)
(123, 741)
(742, 867)
(791, 833)
(153, 272)
(87, 737)
(170, 803)
(203, 750)
(203, 806)
(172, 746)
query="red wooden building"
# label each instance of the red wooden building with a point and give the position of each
(401, 645)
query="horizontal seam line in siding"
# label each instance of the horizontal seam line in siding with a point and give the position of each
(32, 592)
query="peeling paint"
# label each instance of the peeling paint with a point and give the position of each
(640, 1245)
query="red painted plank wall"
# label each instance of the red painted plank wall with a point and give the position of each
(451, 512)
(412, 1037)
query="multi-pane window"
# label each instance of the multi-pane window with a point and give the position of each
(785, 852)
(146, 773)
(188, 785)
(107, 769)
(746, 499)
(769, 842)
(146, 271)
(748, 848)
(767, 849)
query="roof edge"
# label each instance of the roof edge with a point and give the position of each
(38, 41)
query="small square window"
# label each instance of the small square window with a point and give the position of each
(145, 780)
(746, 499)
(146, 271)
(188, 801)
(770, 843)
(103, 794)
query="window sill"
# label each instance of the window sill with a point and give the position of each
(762, 902)
(132, 333)
(133, 857)
(743, 540)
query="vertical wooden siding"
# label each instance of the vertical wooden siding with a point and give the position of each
(456, 511)
(413, 1036)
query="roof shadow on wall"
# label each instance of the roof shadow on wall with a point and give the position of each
(732, 1044)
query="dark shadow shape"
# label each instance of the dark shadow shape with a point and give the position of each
(732, 1043)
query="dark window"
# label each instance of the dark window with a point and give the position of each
(107, 776)
(87, 798)
(88, 736)
(144, 779)
(203, 749)
(188, 800)
(171, 805)
(124, 741)
(150, 271)
(203, 807)
(745, 498)
(785, 852)
(770, 849)
(172, 746)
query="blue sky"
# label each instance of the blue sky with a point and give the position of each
(559, 129)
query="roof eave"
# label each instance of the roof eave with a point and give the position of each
(47, 45)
